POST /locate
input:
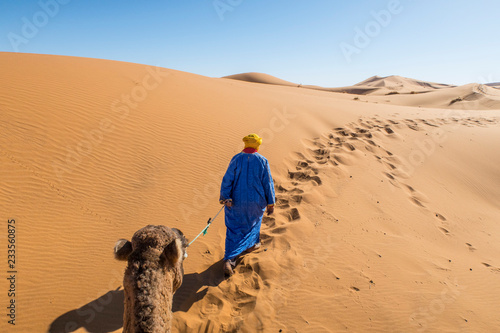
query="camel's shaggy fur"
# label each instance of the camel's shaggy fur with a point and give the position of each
(154, 272)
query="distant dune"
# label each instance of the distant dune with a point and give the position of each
(395, 82)
(471, 96)
(387, 213)
(494, 85)
(261, 78)
(421, 93)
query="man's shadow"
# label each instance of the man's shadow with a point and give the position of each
(105, 314)
(189, 293)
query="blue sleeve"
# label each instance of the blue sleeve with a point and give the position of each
(268, 184)
(226, 189)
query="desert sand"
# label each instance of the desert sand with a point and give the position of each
(387, 205)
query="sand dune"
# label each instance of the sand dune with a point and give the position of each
(494, 85)
(386, 220)
(468, 97)
(374, 85)
(400, 84)
(261, 78)
(404, 91)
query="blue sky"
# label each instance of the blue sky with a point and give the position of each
(328, 43)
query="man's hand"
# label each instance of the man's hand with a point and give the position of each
(227, 202)
(270, 209)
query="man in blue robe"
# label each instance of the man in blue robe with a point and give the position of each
(247, 190)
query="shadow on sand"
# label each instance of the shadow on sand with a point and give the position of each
(105, 314)
(188, 293)
(102, 315)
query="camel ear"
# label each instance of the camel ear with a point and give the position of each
(184, 240)
(123, 248)
(173, 251)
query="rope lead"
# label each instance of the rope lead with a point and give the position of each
(204, 231)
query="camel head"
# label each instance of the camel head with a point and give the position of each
(159, 246)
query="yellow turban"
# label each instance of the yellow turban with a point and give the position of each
(252, 141)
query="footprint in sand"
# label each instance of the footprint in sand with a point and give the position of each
(321, 152)
(342, 132)
(410, 188)
(390, 165)
(338, 141)
(439, 216)
(364, 124)
(321, 155)
(412, 124)
(297, 199)
(282, 203)
(248, 286)
(428, 122)
(280, 189)
(388, 130)
(244, 307)
(442, 219)
(354, 135)
(471, 248)
(292, 214)
(388, 175)
(415, 197)
(265, 238)
(303, 165)
(212, 304)
(492, 268)
(279, 230)
(349, 146)
(444, 230)
(304, 176)
(416, 201)
(269, 221)
(361, 133)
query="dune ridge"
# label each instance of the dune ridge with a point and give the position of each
(260, 78)
(386, 214)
